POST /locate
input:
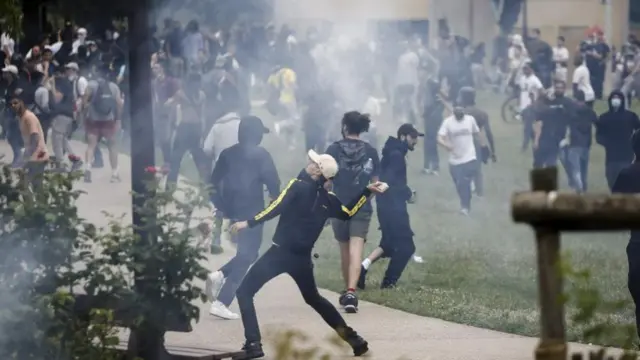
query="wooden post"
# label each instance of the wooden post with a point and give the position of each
(550, 212)
(552, 344)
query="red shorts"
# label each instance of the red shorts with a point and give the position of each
(105, 129)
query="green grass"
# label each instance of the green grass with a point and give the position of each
(480, 270)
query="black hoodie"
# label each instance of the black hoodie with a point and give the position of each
(614, 129)
(393, 171)
(242, 171)
(352, 156)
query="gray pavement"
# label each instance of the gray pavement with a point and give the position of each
(392, 334)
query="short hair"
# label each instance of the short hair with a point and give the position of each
(561, 38)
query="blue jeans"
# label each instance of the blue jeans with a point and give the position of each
(463, 175)
(576, 164)
(249, 241)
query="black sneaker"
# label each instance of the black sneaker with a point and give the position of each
(362, 279)
(350, 303)
(87, 176)
(341, 298)
(359, 345)
(250, 350)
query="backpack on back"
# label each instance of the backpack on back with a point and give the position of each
(103, 102)
(354, 174)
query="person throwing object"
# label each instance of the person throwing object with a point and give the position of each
(304, 206)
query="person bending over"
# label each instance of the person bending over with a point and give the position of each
(304, 206)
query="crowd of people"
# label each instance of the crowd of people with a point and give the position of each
(321, 86)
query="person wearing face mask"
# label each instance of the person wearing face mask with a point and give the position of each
(304, 206)
(80, 84)
(551, 124)
(613, 129)
(393, 217)
(459, 134)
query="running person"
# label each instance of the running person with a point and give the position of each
(304, 207)
(359, 165)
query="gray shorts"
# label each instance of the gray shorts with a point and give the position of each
(357, 226)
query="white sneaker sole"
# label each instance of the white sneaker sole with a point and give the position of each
(224, 316)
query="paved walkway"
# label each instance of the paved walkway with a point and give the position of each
(392, 334)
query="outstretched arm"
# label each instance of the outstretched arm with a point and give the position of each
(345, 212)
(277, 206)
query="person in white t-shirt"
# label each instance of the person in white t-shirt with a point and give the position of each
(582, 81)
(530, 87)
(561, 59)
(457, 134)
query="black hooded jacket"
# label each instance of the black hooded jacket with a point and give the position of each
(393, 215)
(241, 173)
(393, 171)
(614, 129)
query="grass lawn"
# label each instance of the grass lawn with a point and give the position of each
(479, 270)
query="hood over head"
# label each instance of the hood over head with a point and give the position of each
(620, 94)
(251, 130)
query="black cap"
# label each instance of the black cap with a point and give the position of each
(409, 130)
(253, 122)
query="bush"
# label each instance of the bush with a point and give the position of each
(50, 253)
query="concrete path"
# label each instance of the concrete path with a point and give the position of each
(392, 334)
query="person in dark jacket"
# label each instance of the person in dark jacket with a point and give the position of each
(574, 155)
(238, 181)
(613, 130)
(628, 182)
(359, 165)
(304, 206)
(397, 236)
(432, 115)
(62, 108)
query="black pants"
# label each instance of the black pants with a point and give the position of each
(463, 175)
(274, 262)
(187, 138)
(633, 256)
(45, 122)
(397, 242)
(431, 159)
(612, 169)
(249, 241)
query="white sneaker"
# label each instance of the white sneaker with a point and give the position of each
(214, 283)
(218, 309)
(276, 127)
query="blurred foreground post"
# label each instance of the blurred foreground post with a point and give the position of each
(146, 340)
(550, 213)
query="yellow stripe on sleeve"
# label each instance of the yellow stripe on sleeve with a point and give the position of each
(275, 202)
(359, 204)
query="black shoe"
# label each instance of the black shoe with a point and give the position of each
(350, 303)
(362, 279)
(251, 350)
(341, 298)
(387, 284)
(359, 345)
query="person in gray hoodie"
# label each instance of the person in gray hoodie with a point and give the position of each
(238, 180)
(222, 135)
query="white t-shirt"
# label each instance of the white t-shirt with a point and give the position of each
(529, 85)
(560, 54)
(408, 69)
(6, 42)
(460, 135)
(582, 78)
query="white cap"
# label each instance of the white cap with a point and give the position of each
(72, 66)
(82, 31)
(10, 69)
(327, 164)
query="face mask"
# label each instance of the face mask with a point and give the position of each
(458, 115)
(616, 102)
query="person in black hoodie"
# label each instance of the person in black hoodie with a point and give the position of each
(432, 115)
(613, 130)
(359, 165)
(628, 182)
(238, 181)
(393, 216)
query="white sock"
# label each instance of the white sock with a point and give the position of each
(114, 172)
(366, 263)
